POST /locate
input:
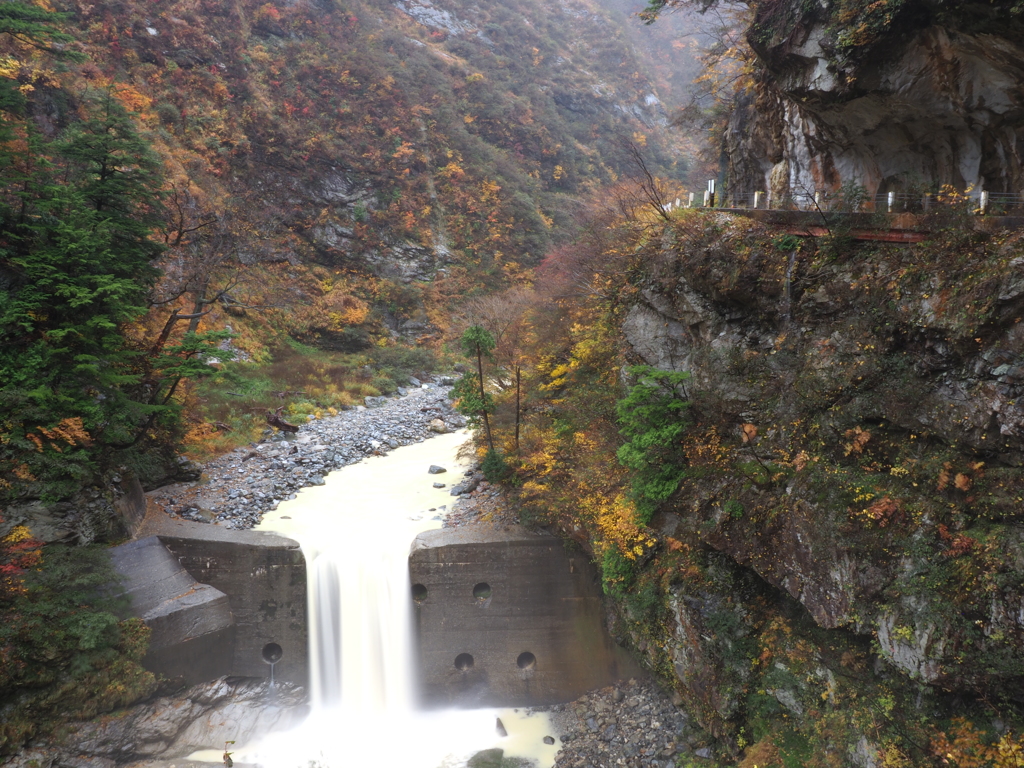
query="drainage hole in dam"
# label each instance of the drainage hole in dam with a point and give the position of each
(482, 591)
(419, 593)
(272, 653)
(463, 662)
(526, 660)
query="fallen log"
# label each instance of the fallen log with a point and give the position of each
(274, 419)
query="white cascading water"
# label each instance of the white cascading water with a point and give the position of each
(359, 602)
(355, 532)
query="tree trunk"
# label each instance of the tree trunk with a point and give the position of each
(519, 379)
(483, 399)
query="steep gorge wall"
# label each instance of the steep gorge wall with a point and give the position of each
(896, 97)
(856, 466)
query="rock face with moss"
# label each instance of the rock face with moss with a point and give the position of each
(858, 445)
(904, 96)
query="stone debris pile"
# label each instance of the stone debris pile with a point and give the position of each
(633, 724)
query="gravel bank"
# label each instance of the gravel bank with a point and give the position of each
(632, 724)
(240, 486)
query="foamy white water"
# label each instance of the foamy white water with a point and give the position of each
(355, 532)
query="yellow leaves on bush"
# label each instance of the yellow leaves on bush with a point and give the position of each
(23, 473)
(962, 481)
(345, 310)
(882, 511)
(801, 460)
(17, 535)
(452, 171)
(705, 449)
(69, 431)
(858, 439)
(964, 746)
(405, 152)
(132, 99)
(615, 519)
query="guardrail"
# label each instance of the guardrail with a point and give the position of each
(977, 202)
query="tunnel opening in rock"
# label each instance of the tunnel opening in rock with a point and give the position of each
(419, 593)
(464, 662)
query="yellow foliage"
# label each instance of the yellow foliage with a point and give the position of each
(71, 431)
(132, 99)
(858, 439)
(18, 534)
(22, 472)
(964, 746)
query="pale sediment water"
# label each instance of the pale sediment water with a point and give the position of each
(355, 532)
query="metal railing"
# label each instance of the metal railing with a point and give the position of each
(978, 202)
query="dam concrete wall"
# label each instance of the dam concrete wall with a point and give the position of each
(508, 618)
(501, 618)
(219, 602)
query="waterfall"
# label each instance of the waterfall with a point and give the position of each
(359, 628)
(355, 533)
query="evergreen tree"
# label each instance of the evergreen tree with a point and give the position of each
(652, 418)
(75, 266)
(473, 400)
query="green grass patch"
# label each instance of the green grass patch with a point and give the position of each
(304, 381)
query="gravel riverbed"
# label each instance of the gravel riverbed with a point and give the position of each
(240, 486)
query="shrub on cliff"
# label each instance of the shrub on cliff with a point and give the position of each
(653, 420)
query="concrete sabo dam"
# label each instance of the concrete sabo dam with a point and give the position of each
(501, 618)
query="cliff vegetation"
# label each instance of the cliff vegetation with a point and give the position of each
(798, 463)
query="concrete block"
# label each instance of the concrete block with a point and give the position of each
(192, 626)
(264, 578)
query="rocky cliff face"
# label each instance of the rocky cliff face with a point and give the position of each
(907, 99)
(858, 445)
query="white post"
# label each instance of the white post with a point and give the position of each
(757, 199)
(707, 197)
(983, 202)
(690, 204)
(891, 200)
(677, 202)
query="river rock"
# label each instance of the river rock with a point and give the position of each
(438, 426)
(436, 470)
(210, 713)
(489, 758)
